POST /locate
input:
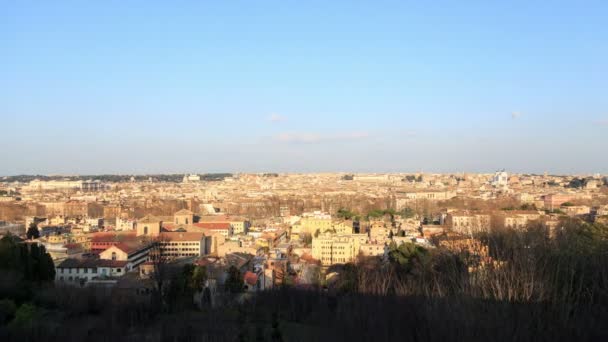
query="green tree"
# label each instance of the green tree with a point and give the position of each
(405, 254)
(25, 315)
(345, 214)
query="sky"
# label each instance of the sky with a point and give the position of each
(135, 87)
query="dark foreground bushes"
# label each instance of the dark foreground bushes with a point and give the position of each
(296, 315)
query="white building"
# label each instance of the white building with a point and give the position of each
(191, 178)
(500, 179)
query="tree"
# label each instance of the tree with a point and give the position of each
(199, 277)
(234, 281)
(577, 183)
(405, 253)
(25, 315)
(345, 214)
(407, 212)
(160, 274)
(410, 178)
(32, 231)
(307, 239)
(29, 260)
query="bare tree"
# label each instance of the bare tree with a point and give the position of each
(160, 274)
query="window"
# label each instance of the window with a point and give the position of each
(94, 270)
(113, 255)
(146, 230)
(86, 270)
(118, 270)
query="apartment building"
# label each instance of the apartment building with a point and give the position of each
(134, 254)
(81, 272)
(182, 245)
(468, 222)
(517, 219)
(337, 249)
(238, 225)
(554, 201)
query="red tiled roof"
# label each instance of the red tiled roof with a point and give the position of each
(181, 236)
(111, 236)
(250, 278)
(213, 225)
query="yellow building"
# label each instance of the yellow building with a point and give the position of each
(309, 225)
(336, 249)
(183, 216)
(148, 226)
(343, 227)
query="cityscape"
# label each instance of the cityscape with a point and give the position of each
(285, 171)
(227, 236)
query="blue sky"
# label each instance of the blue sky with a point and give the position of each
(303, 86)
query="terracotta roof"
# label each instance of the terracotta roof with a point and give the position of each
(213, 225)
(91, 263)
(130, 248)
(179, 236)
(250, 278)
(111, 236)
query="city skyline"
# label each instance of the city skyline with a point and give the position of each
(217, 87)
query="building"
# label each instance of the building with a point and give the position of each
(576, 210)
(191, 178)
(467, 222)
(554, 201)
(134, 254)
(182, 245)
(517, 219)
(103, 240)
(184, 216)
(82, 272)
(238, 225)
(500, 179)
(221, 228)
(337, 249)
(124, 224)
(374, 249)
(75, 209)
(148, 226)
(405, 199)
(311, 224)
(55, 185)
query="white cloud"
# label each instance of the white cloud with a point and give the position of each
(515, 115)
(314, 138)
(276, 118)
